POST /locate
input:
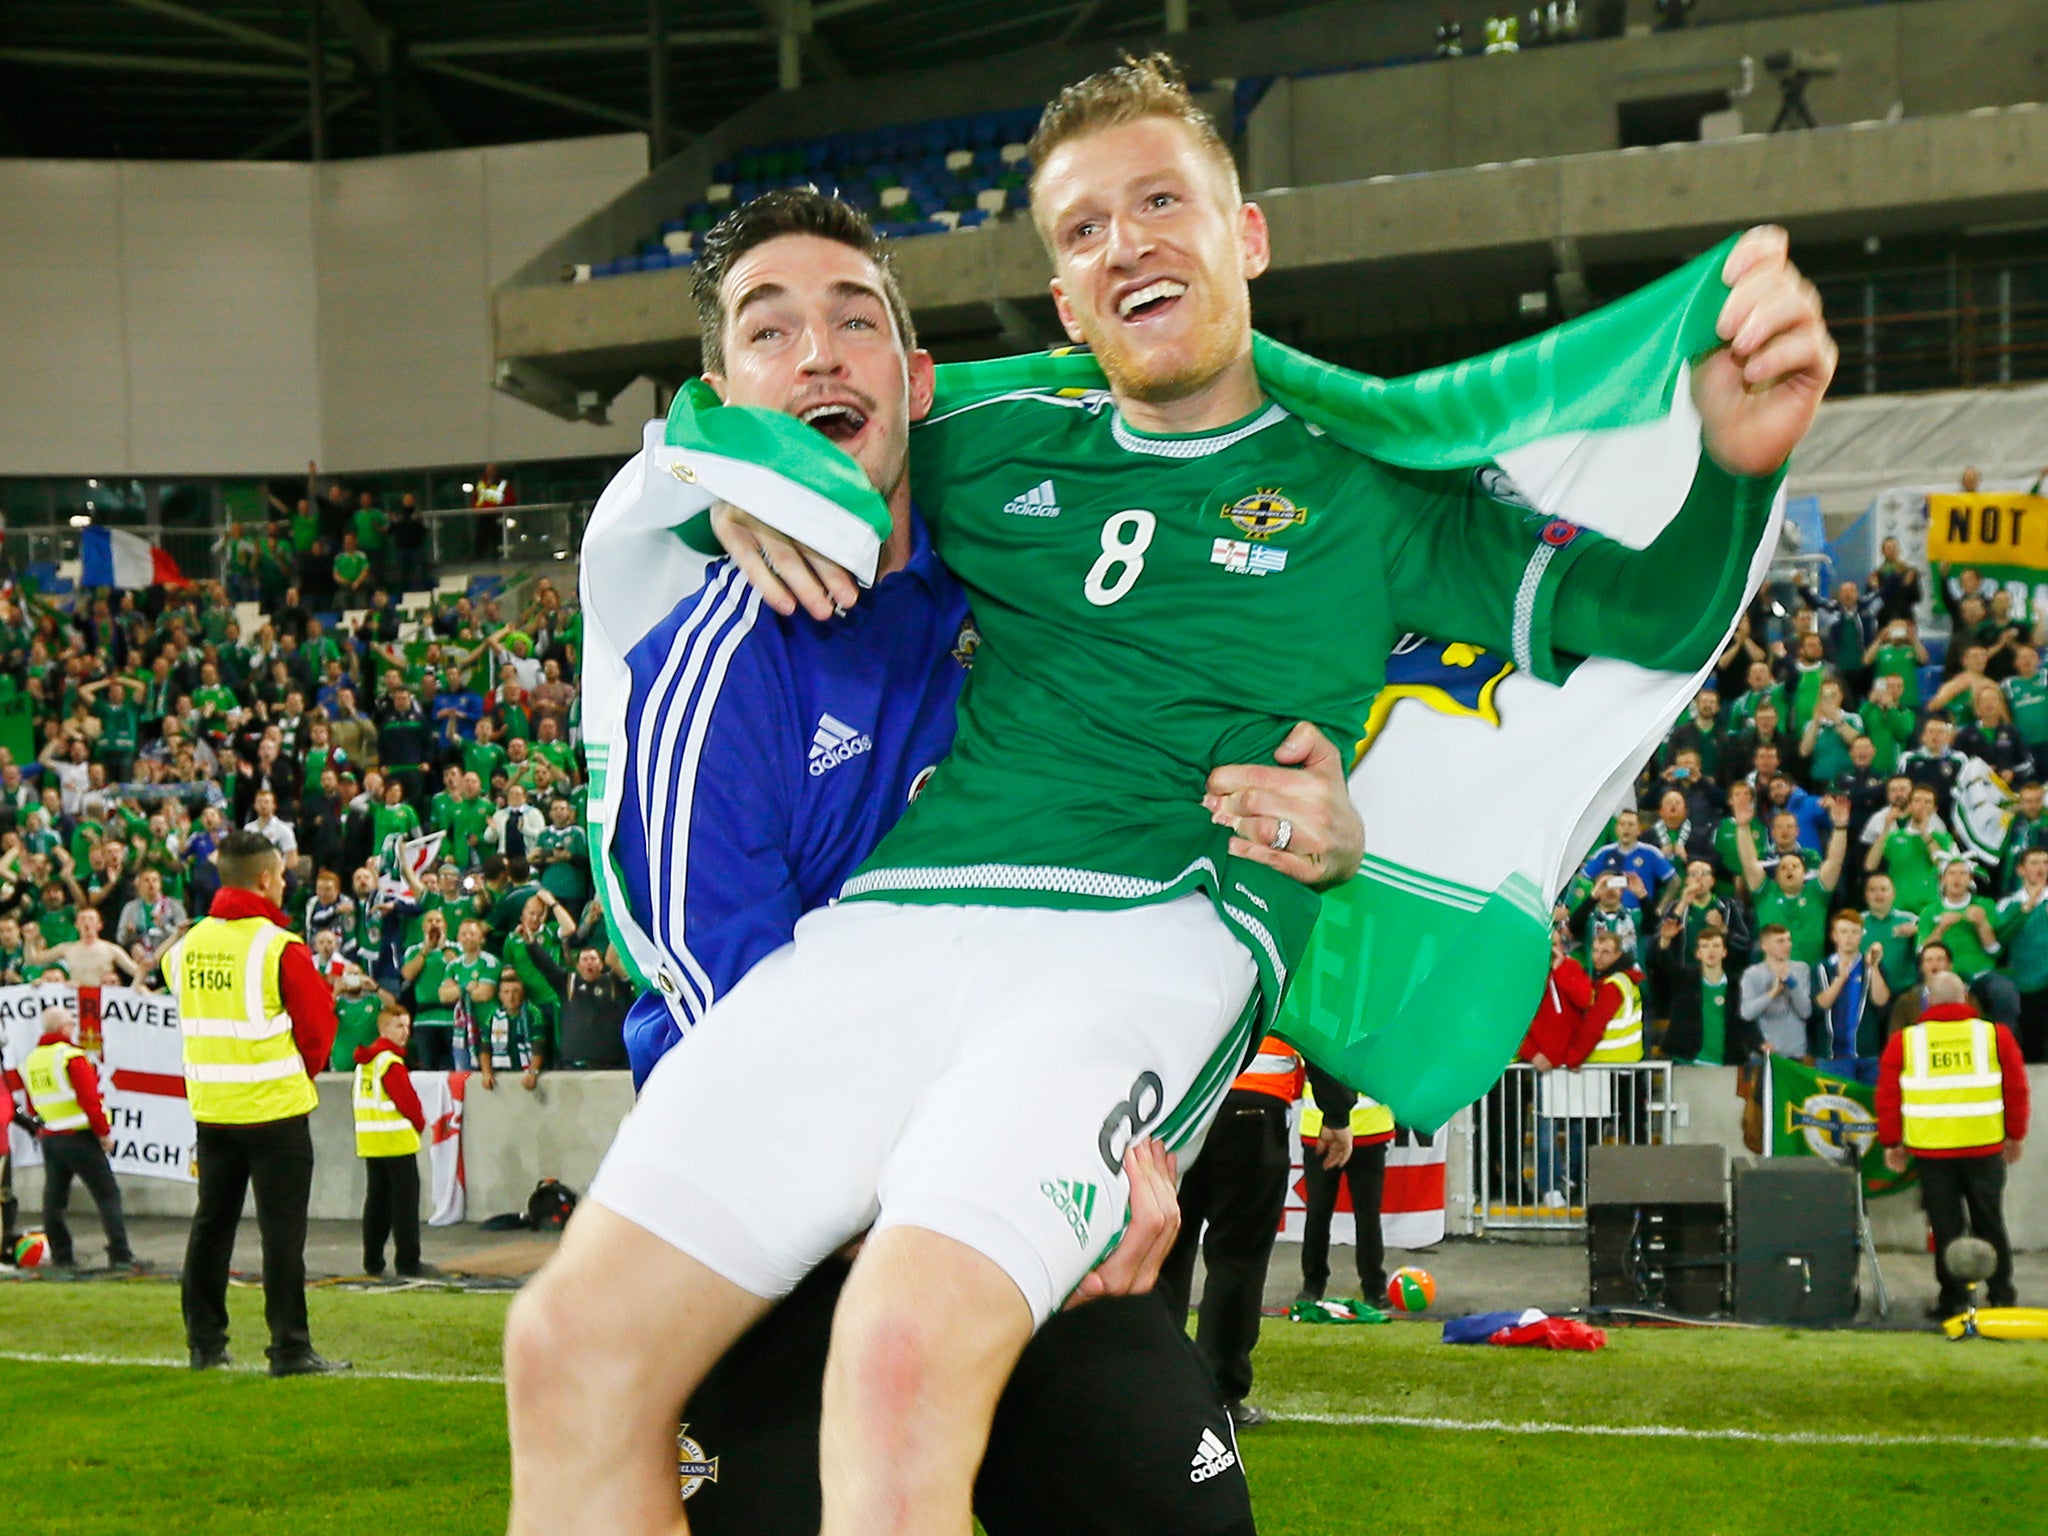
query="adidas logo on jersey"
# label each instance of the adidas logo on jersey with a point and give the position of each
(1074, 1201)
(1039, 501)
(835, 742)
(1212, 1458)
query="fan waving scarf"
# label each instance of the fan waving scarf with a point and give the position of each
(1481, 787)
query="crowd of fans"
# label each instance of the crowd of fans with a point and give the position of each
(1792, 873)
(161, 724)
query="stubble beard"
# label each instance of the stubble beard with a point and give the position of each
(1136, 373)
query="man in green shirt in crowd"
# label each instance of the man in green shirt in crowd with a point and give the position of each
(394, 818)
(369, 523)
(2026, 694)
(1762, 686)
(2022, 926)
(548, 746)
(120, 722)
(1787, 896)
(563, 853)
(1963, 921)
(471, 975)
(1895, 933)
(351, 572)
(484, 757)
(1897, 652)
(1888, 723)
(2027, 829)
(512, 1034)
(444, 798)
(357, 1002)
(1732, 831)
(425, 968)
(1710, 949)
(1911, 849)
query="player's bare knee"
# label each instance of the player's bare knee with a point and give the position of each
(550, 1346)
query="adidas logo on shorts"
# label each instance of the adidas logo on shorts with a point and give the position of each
(1212, 1458)
(834, 742)
(1039, 501)
(1074, 1201)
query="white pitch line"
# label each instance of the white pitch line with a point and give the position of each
(1662, 1431)
(1340, 1420)
(164, 1362)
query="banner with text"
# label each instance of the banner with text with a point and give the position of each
(142, 1073)
(2001, 534)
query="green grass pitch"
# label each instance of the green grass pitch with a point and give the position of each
(1948, 1436)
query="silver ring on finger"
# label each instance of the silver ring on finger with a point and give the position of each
(1283, 834)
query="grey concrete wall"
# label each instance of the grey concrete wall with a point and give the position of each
(1926, 59)
(511, 1140)
(196, 318)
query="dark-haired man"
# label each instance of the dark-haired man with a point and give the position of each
(1055, 928)
(258, 1024)
(731, 857)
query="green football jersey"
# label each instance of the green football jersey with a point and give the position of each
(2028, 697)
(1150, 607)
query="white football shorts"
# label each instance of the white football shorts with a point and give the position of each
(974, 1071)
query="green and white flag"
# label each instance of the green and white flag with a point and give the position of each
(1810, 1113)
(1481, 787)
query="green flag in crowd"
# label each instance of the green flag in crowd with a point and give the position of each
(1810, 1113)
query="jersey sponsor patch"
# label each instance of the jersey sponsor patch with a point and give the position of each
(1040, 501)
(835, 742)
(1265, 512)
(1247, 559)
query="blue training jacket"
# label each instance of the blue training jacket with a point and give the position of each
(764, 759)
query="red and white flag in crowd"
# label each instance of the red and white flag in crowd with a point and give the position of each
(417, 855)
(1411, 1199)
(441, 1096)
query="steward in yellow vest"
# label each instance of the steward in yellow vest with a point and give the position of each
(388, 1125)
(1952, 1095)
(64, 1091)
(258, 1024)
(1353, 1155)
(1618, 1009)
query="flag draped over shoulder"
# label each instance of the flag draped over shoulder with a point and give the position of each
(1481, 787)
(1811, 1113)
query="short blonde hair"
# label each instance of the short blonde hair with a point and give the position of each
(1127, 93)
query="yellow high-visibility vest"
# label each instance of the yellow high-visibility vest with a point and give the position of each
(242, 1066)
(47, 1076)
(381, 1130)
(1623, 1040)
(1369, 1117)
(1951, 1092)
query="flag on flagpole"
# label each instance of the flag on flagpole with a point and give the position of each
(113, 557)
(1482, 786)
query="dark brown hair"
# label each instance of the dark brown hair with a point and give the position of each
(784, 211)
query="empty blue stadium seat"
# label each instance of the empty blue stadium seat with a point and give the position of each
(1930, 677)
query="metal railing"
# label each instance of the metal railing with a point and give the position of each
(545, 534)
(542, 534)
(1531, 1131)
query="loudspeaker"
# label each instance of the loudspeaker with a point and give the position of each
(1656, 1228)
(1795, 1242)
(1673, 1257)
(1688, 1175)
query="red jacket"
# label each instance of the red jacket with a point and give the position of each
(85, 1087)
(1891, 1125)
(306, 997)
(1559, 1030)
(397, 1081)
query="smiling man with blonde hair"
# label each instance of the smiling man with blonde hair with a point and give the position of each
(1057, 949)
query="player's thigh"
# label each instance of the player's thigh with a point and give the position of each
(1081, 1032)
(1112, 1395)
(758, 1140)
